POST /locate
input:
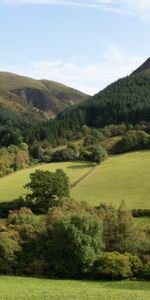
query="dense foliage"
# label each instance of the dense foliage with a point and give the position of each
(72, 242)
(14, 158)
(47, 186)
(127, 100)
(133, 140)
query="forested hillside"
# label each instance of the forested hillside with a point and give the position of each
(126, 100)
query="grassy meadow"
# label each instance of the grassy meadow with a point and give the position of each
(120, 177)
(142, 221)
(11, 186)
(21, 288)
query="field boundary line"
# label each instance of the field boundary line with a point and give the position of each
(75, 183)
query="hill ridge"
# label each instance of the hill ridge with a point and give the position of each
(44, 95)
(144, 67)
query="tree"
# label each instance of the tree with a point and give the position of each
(114, 265)
(129, 237)
(47, 187)
(120, 232)
(73, 244)
(22, 216)
(133, 140)
(99, 154)
(90, 140)
(9, 248)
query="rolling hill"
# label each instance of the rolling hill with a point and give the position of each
(121, 177)
(17, 180)
(145, 67)
(22, 94)
(126, 100)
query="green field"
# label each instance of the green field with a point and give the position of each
(120, 177)
(11, 186)
(142, 221)
(16, 288)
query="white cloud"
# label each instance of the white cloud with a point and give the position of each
(104, 5)
(87, 77)
(140, 8)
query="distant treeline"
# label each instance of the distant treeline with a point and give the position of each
(71, 239)
(75, 241)
(127, 100)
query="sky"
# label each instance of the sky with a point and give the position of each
(85, 44)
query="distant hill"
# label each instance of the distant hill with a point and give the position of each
(145, 67)
(42, 97)
(126, 100)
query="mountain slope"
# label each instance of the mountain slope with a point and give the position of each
(126, 100)
(25, 94)
(145, 67)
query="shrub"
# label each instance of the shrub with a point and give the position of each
(73, 244)
(9, 248)
(21, 216)
(98, 154)
(112, 265)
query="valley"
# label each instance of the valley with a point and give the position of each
(81, 167)
(75, 150)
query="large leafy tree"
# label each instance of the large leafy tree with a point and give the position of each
(46, 186)
(120, 231)
(73, 244)
(99, 154)
(9, 247)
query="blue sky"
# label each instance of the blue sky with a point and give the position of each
(86, 44)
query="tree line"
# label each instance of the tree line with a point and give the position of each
(72, 240)
(125, 101)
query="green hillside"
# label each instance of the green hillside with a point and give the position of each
(126, 100)
(120, 177)
(15, 288)
(11, 186)
(44, 95)
(10, 82)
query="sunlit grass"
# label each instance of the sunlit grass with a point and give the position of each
(11, 186)
(15, 288)
(120, 177)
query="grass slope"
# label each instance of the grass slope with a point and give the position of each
(11, 186)
(11, 81)
(45, 95)
(120, 177)
(15, 288)
(143, 221)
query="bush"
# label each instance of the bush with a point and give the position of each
(22, 216)
(90, 140)
(73, 244)
(134, 140)
(98, 154)
(9, 248)
(137, 213)
(114, 265)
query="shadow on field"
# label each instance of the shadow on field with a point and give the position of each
(128, 285)
(80, 166)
